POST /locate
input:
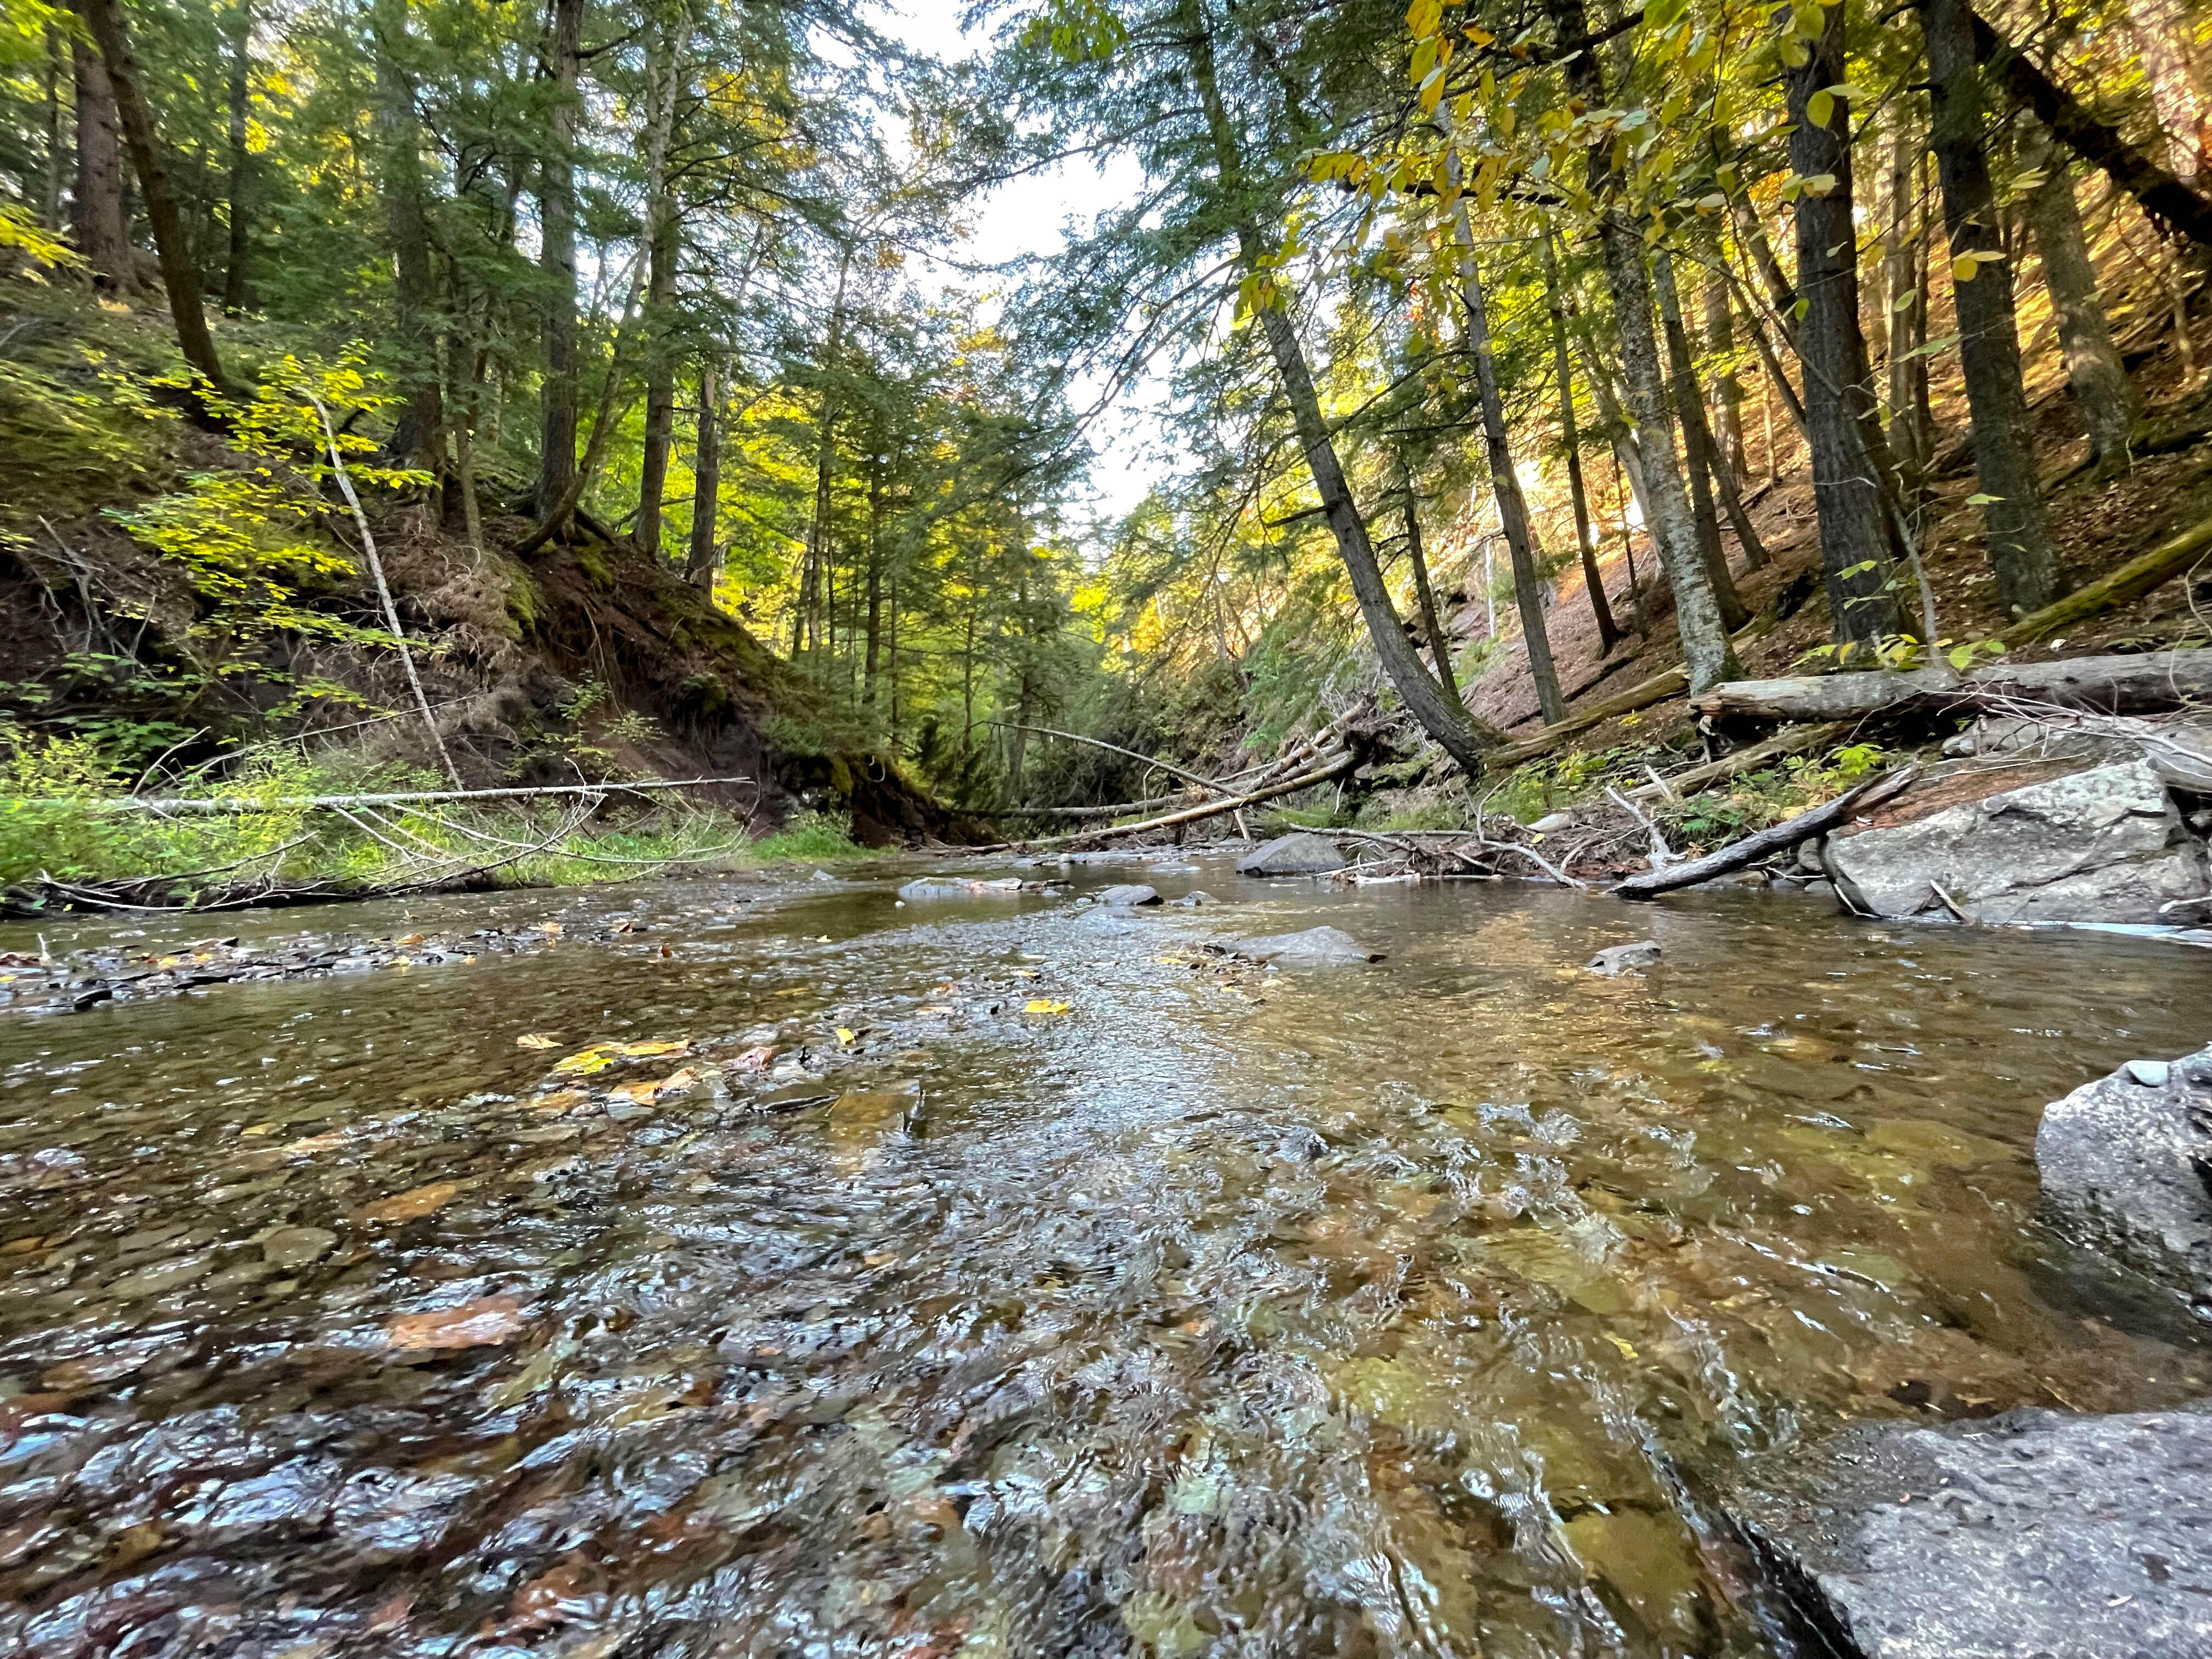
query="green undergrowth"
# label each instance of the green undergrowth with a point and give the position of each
(53, 826)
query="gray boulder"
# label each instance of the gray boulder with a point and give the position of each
(2035, 1536)
(1128, 895)
(1618, 959)
(2101, 845)
(1316, 947)
(1301, 852)
(1193, 899)
(2125, 1163)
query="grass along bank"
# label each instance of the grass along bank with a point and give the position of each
(64, 845)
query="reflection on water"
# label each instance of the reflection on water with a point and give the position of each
(1404, 1310)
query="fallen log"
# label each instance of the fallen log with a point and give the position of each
(1777, 838)
(1660, 687)
(1794, 741)
(1212, 809)
(2111, 685)
(2133, 580)
(242, 805)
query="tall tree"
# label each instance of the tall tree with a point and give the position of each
(2014, 531)
(2102, 392)
(96, 203)
(1839, 404)
(664, 70)
(556, 258)
(1608, 631)
(180, 277)
(418, 437)
(241, 45)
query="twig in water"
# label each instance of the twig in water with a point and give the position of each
(1539, 861)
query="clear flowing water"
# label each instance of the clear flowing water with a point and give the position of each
(1413, 1309)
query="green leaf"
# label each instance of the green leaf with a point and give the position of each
(1819, 107)
(1904, 302)
(1979, 499)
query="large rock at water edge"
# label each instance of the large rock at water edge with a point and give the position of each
(2103, 845)
(1301, 852)
(2036, 1535)
(1316, 947)
(2125, 1163)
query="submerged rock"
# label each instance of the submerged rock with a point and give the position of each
(1315, 947)
(1128, 895)
(2035, 1536)
(1617, 959)
(1301, 852)
(2101, 845)
(950, 887)
(2122, 1164)
(1193, 899)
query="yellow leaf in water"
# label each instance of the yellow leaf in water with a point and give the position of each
(548, 926)
(585, 1061)
(535, 1040)
(1045, 1006)
(645, 1093)
(646, 1050)
(421, 1202)
(262, 1129)
(845, 1038)
(1627, 1349)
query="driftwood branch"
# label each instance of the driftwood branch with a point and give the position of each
(1741, 854)
(237, 806)
(1336, 769)
(1657, 688)
(1791, 740)
(1116, 748)
(2110, 685)
(383, 588)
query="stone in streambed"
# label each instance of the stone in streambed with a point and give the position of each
(1617, 959)
(1301, 852)
(1128, 895)
(2122, 1163)
(1316, 947)
(1193, 899)
(2034, 1535)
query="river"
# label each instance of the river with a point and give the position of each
(1415, 1308)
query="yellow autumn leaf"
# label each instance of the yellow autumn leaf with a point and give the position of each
(534, 1040)
(1964, 267)
(1627, 1349)
(597, 1058)
(845, 1038)
(646, 1050)
(1045, 1006)
(645, 1093)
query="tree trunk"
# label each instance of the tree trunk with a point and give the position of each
(1608, 631)
(179, 278)
(664, 240)
(2162, 30)
(814, 574)
(2101, 388)
(1505, 487)
(1847, 497)
(557, 259)
(50, 214)
(1706, 472)
(2014, 531)
(1462, 736)
(418, 438)
(241, 65)
(1904, 273)
(705, 562)
(872, 644)
(1431, 621)
(2176, 206)
(1727, 389)
(97, 209)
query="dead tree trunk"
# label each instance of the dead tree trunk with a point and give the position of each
(2102, 391)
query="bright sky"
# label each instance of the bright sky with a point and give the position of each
(1028, 215)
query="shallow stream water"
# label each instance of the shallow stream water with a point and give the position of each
(1416, 1309)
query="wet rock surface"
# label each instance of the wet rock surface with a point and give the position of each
(1315, 947)
(1301, 852)
(2106, 844)
(1617, 959)
(2037, 1535)
(2126, 1165)
(1128, 895)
